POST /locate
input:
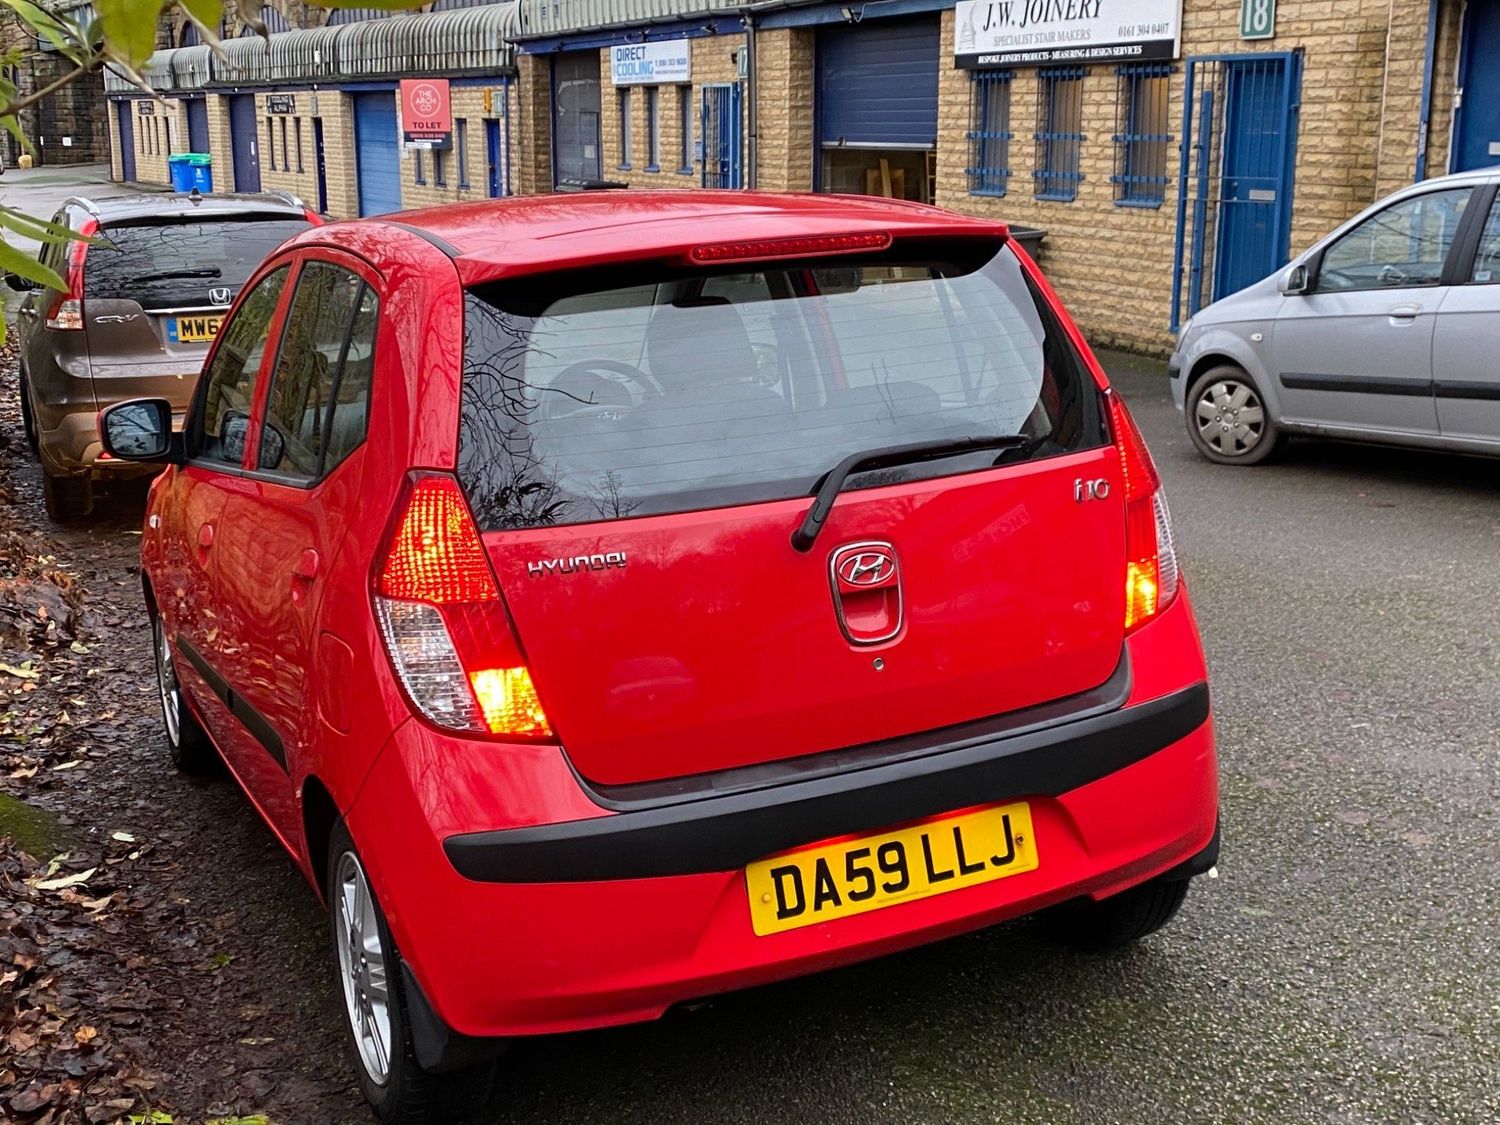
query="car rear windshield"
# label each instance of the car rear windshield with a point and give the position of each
(174, 265)
(687, 391)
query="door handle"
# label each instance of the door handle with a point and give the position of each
(205, 537)
(1405, 312)
(307, 566)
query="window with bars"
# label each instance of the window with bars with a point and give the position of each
(990, 134)
(439, 169)
(419, 174)
(286, 163)
(461, 139)
(271, 143)
(1059, 133)
(1141, 139)
(625, 128)
(685, 129)
(653, 128)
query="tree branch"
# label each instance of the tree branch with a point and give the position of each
(52, 87)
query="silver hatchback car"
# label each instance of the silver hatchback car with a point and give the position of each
(1388, 330)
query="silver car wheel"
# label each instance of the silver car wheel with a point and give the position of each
(362, 969)
(1230, 417)
(166, 682)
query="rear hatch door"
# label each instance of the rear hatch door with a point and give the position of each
(639, 459)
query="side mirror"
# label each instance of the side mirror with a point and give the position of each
(139, 430)
(1295, 281)
(272, 446)
(20, 284)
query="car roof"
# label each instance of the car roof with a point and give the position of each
(176, 206)
(490, 239)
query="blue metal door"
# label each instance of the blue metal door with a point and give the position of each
(494, 157)
(197, 117)
(126, 113)
(1234, 198)
(377, 153)
(720, 129)
(244, 141)
(1476, 130)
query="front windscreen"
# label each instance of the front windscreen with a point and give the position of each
(686, 391)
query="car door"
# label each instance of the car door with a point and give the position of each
(1466, 340)
(283, 528)
(1355, 351)
(199, 616)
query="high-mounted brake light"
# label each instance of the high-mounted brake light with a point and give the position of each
(792, 247)
(1151, 579)
(66, 311)
(444, 624)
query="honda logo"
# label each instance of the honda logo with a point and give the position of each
(221, 296)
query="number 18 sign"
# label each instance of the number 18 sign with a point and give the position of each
(1257, 19)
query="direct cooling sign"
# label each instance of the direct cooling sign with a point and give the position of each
(651, 64)
(1038, 32)
(426, 113)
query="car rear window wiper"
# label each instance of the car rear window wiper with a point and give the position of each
(829, 486)
(171, 275)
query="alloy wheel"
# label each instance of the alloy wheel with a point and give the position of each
(1230, 417)
(166, 682)
(362, 968)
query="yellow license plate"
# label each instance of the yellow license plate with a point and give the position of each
(855, 876)
(196, 329)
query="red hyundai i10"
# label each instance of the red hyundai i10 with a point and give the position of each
(619, 598)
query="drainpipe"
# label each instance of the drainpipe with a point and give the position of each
(1424, 119)
(752, 110)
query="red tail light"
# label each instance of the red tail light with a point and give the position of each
(445, 626)
(66, 311)
(1151, 579)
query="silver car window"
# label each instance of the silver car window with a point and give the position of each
(1402, 246)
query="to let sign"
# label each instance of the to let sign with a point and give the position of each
(651, 64)
(1257, 19)
(1041, 32)
(426, 113)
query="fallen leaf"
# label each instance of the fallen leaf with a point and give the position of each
(24, 672)
(65, 881)
(67, 765)
(79, 647)
(123, 837)
(84, 1034)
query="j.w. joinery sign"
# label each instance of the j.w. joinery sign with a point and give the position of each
(1038, 32)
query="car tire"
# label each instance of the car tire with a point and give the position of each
(1117, 921)
(380, 1037)
(28, 419)
(67, 498)
(1227, 418)
(188, 743)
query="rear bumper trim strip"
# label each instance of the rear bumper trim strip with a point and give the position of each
(725, 833)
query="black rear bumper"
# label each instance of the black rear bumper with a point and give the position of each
(714, 833)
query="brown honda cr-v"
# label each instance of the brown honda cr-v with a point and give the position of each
(145, 295)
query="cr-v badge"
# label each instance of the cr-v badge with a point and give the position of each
(866, 581)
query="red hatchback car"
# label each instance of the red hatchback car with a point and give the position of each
(615, 599)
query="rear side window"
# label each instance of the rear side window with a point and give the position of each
(693, 391)
(321, 389)
(174, 265)
(229, 383)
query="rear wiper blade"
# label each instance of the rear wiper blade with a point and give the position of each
(170, 275)
(829, 486)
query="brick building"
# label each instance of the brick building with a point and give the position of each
(1171, 150)
(66, 127)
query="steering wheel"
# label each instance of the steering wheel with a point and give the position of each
(565, 401)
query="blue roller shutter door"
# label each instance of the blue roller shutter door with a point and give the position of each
(878, 84)
(377, 153)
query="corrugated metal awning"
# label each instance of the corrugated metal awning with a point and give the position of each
(157, 70)
(558, 17)
(246, 62)
(298, 55)
(468, 39)
(190, 66)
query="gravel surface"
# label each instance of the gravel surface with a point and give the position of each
(1340, 970)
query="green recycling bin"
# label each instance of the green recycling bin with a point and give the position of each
(200, 165)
